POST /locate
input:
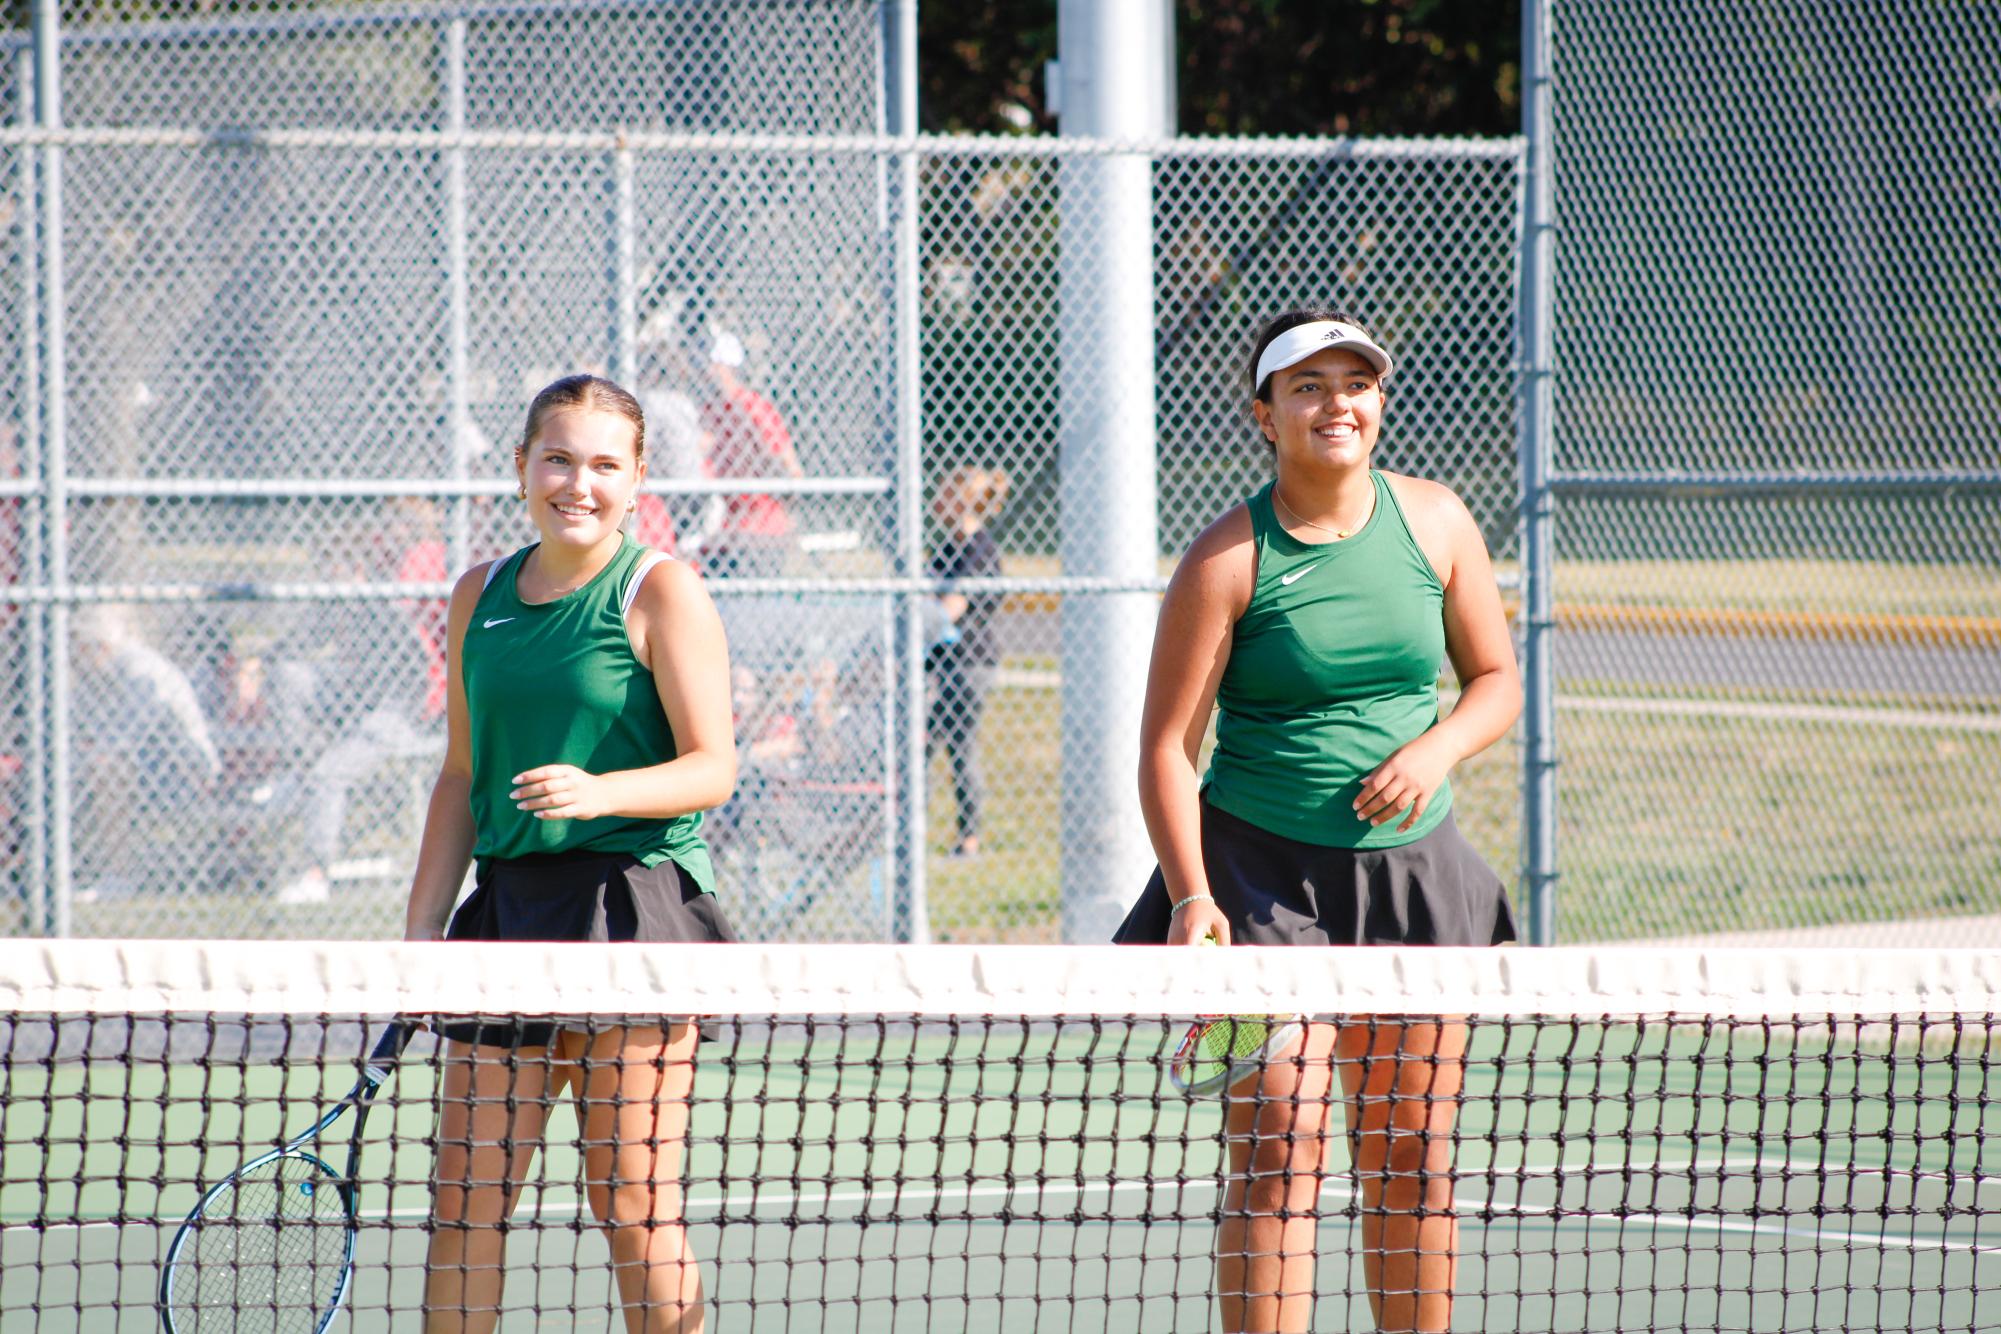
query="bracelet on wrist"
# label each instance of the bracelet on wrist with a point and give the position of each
(1179, 904)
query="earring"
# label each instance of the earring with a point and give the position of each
(521, 493)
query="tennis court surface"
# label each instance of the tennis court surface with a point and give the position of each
(984, 1138)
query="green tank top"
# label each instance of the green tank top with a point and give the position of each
(558, 683)
(1332, 667)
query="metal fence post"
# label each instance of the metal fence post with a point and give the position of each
(911, 914)
(49, 113)
(1538, 547)
(624, 285)
(1113, 66)
(34, 615)
(458, 392)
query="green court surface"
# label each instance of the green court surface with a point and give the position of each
(991, 1177)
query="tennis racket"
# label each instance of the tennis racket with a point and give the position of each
(1220, 1051)
(271, 1246)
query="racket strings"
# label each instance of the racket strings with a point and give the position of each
(270, 1247)
(1221, 1051)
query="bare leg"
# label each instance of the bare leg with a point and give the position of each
(633, 1086)
(1403, 1082)
(495, 1102)
(1278, 1131)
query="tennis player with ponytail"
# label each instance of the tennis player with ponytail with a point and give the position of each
(1316, 616)
(589, 727)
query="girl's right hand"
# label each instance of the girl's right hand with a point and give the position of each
(425, 932)
(1192, 923)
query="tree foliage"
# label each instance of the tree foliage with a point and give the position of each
(1295, 67)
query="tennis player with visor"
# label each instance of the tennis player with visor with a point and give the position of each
(1315, 617)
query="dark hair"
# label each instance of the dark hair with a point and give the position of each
(592, 393)
(1277, 325)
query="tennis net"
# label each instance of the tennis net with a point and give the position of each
(974, 1138)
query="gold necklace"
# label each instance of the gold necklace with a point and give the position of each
(1340, 534)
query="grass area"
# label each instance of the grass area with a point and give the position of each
(1668, 824)
(1011, 892)
(1675, 824)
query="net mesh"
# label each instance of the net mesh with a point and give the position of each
(892, 1138)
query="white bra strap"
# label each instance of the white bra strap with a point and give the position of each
(492, 570)
(638, 575)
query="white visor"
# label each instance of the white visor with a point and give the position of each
(1303, 340)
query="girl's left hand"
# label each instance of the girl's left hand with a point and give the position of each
(1408, 778)
(561, 792)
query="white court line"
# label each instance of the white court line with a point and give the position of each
(1689, 1222)
(780, 1202)
(1705, 1223)
(1797, 1168)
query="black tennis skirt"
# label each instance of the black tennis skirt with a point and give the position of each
(1279, 891)
(579, 896)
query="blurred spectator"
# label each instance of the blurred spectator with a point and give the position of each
(13, 533)
(767, 731)
(152, 743)
(13, 815)
(677, 449)
(963, 658)
(747, 438)
(394, 705)
(423, 562)
(844, 708)
(249, 732)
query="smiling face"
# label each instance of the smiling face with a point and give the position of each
(1324, 412)
(581, 473)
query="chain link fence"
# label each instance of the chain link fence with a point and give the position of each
(316, 259)
(1778, 540)
(1417, 236)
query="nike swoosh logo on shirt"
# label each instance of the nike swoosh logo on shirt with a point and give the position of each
(499, 620)
(1283, 578)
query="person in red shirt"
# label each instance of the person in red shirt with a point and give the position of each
(747, 438)
(423, 562)
(677, 450)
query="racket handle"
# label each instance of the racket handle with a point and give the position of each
(390, 1046)
(393, 1040)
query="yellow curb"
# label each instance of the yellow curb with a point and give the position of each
(1844, 627)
